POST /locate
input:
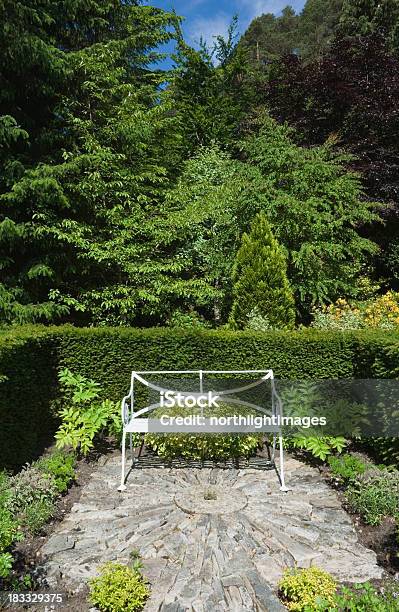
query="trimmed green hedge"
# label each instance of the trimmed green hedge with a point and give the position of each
(28, 384)
(31, 356)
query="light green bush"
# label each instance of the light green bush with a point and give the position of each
(119, 588)
(307, 590)
(204, 446)
(61, 467)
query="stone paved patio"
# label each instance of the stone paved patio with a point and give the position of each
(210, 539)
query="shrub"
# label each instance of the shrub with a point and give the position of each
(27, 501)
(28, 486)
(36, 515)
(6, 561)
(386, 450)
(61, 467)
(119, 588)
(307, 590)
(9, 533)
(307, 398)
(203, 446)
(260, 279)
(30, 357)
(27, 361)
(381, 312)
(320, 447)
(365, 598)
(9, 528)
(84, 417)
(257, 321)
(346, 467)
(375, 494)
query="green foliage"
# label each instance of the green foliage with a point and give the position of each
(6, 561)
(9, 528)
(35, 515)
(84, 159)
(119, 588)
(346, 467)
(386, 449)
(61, 467)
(28, 362)
(187, 320)
(27, 502)
(307, 34)
(30, 357)
(204, 446)
(260, 280)
(203, 227)
(364, 598)
(317, 25)
(364, 17)
(303, 193)
(314, 590)
(304, 399)
(319, 447)
(268, 36)
(257, 321)
(212, 98)
(28, 486)
(375, 494)
(307, 590)
(10, 532)
(31, 497)
(84, 415)
(314, 206)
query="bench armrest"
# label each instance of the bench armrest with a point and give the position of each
(125, 409)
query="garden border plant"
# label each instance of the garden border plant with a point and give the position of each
(315, 590)
(27, 502)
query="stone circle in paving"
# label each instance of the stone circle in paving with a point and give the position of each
(207, 561)
(208, 499)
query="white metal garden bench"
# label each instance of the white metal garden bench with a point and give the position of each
(138, 421)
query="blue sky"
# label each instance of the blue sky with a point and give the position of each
(211, 17)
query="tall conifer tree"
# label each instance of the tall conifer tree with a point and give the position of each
(260, 279)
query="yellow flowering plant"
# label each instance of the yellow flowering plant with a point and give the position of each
(381, 312)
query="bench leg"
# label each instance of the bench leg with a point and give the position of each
(274, 448)
(122, 486)
(283, 487)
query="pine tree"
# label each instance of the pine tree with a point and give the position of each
(84, 171)
(269, 37)
(317, 25)
(260, 280)
(364, 17)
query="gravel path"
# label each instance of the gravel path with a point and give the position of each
(210, 539)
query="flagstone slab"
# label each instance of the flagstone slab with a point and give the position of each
(209, 538)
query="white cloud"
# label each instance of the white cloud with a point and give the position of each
(249, 9)
(208, 27)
